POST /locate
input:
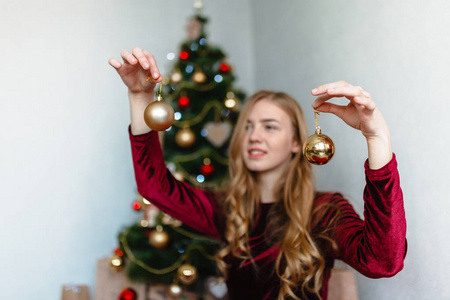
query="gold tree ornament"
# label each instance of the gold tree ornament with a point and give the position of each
(176, 76)
(116, 264)
(185, 138)
(175, 290)
(159, 115)
(318, 148)
(158, 238)
(199, 77)
(187, 274)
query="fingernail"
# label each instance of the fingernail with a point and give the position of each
(146, 65)
(314, 104)
(314, 90)
(155, 75)
(330, 90)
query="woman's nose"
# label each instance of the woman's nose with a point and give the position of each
(255, 135)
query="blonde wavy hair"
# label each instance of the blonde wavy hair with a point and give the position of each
(300, 261)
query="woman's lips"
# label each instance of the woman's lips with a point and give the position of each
(256, 153)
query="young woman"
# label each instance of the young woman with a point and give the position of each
(279, 236)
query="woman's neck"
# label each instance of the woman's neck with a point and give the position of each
(266, 184)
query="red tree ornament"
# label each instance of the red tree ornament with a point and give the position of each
(137, 205)
(183, 102)
(224, 67)
(207, 170)
(128, 294)
(118, 252)
(184, 55)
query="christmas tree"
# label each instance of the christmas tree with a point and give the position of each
(200, 89)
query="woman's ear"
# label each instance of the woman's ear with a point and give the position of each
(296, 147)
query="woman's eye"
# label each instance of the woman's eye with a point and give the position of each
(247, 127)
(270, 127)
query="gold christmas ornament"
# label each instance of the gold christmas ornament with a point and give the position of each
(185, 138)
(199, 77)
(318, 148)
(178, 176)
(116, 264)
(176, 77)
(175, 290)
(230, 103)
(143, 223)
(159, 115)
(187, 274)
(158, 238)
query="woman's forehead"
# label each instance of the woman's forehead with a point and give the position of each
(265, 110)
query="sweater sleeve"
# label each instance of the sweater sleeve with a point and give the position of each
(375, 247)
(194, 207)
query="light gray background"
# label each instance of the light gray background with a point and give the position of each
(65, 167)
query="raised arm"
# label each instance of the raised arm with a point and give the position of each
(194, 207)
(375, 246)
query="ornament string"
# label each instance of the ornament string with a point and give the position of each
(143, 265)
(198, 154)
(160, 85)
(194, 121)
(316, 117)
(173, 267)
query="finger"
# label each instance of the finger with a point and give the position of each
(335, 109)
(345, 91)
(356, 95)
(320, 100)
(128, 57)
(139, 54)
(154, 71)
(365, 102)
(115, 63)
(320, 90)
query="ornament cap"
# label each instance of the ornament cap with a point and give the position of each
(159, 98)
(318, 130)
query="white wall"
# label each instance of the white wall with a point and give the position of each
(399, 52)
(65, 165)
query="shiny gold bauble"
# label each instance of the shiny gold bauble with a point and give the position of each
(199, 77)
(318, 148)
(158, 238)
(116, 264)
(159, 115)
(232, 104)
(187, 274)
(178, 176)
(185, 138)
(176, 77)
(175, 290)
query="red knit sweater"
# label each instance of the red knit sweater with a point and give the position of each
(376, 247)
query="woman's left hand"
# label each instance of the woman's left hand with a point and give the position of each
(360, 113)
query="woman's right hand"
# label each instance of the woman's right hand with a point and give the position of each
(135, 70)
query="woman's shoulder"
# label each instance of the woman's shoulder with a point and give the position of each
(328, 205)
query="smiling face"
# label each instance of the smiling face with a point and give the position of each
(268, 141)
